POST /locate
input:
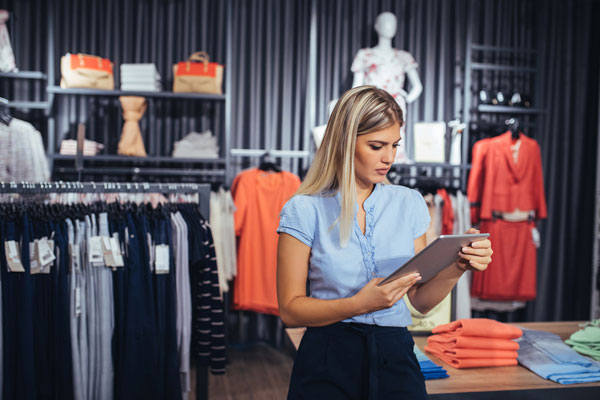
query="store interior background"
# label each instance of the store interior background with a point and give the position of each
(290, 58)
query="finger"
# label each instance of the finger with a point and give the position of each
(481, 260)
(400, 295)
(477, 252)
(472, 230)
(482, 244)
(478, 266)
(405, 280)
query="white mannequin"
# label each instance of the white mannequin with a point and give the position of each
(386, 68)
(385, 26)
(319, 131)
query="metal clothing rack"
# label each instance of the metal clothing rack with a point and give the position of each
(203, 190)
(267, 152)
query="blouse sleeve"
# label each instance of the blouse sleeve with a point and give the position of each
(421, 218)
(297, 219)
(408, 61)
(359, 61)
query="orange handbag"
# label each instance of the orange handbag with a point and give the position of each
(198, 75)
(86, 71)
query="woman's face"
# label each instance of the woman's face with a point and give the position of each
(374, 155)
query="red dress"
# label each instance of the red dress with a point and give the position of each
(497, 183)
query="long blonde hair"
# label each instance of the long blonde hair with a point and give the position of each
(359, 111)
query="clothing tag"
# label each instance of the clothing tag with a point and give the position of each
(151, 252)
(13, 259)
(46, 268)
(34, 266)
(45, 254)
(162, 259)
(77, 301)
(115, 245)
(109, 260)
(75, 257)
(535, 236)
(95, 251)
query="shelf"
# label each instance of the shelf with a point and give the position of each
(30, 105)
(150, 159)
(23, 75)
(164, 95)
(483, 47)
(508, 109)
(143, 171)
(499, 67)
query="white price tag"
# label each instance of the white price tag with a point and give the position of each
(107, 252)
(34, 266)
(13, 259)
(75, 257)
(77, 301)
(95, 251)
(116, 252)
(45, 253)
(162, 259)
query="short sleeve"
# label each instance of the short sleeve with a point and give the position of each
(421, 218)
(359, 62)
(408, 61)
(240, 199)
(297, 220)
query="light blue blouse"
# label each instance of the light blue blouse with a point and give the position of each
(395, 217)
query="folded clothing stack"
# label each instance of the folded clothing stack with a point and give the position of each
(476, 342)
(68, 147)
(587, 341)
(140, 77)
(429, 369)
(197, 145)
(545, 354)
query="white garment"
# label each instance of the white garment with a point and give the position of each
(22, 155)
(222, 225)
(7, 57)
(196, 145)
(387, 71)
(460, 225)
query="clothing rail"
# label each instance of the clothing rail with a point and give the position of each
(203, 191)
(272, 153)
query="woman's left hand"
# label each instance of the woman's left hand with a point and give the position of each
(476, 256)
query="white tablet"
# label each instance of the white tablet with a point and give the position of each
(440, 253)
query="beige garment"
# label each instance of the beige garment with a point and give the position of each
(131, 143)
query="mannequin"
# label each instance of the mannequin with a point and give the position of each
(386, 68)
(319, 131)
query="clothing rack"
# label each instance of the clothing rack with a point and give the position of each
(203, 190)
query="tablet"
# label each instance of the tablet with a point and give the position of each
(440, 253)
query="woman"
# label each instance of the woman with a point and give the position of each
(341, 233)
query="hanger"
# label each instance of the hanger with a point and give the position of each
(5, 115)
(267, 163)
(513, 125)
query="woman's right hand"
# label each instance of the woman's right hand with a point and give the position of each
(373, 298)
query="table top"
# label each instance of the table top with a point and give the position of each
(490, 378)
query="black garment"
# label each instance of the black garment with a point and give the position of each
(356, 361)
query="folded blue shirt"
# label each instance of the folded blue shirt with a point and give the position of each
(545, 354)
(429, 369)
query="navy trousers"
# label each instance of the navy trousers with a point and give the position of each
(356, 361)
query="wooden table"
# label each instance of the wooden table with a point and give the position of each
(497, 382)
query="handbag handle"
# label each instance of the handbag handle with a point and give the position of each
(199, 56)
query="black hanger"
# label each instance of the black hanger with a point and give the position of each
(5, 115)
(268, 164)
(513, 125)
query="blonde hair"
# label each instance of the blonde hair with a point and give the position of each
(359, 111)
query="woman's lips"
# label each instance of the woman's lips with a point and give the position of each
(382, 171)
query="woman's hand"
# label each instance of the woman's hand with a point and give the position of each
(373, 298)
(477, 256)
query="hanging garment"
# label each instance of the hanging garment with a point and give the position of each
(7, 57)
(499, 185)
(387, 73)
(131, 142)
(22, 155)
(259, 197)
(222, 209)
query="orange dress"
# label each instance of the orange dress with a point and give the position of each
(259, 197)
(497, 183)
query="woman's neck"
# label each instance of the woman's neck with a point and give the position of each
(362, 193)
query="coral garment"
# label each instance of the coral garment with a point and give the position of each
(447, 213)
(498, 184)
(494, 339)
(259, 197)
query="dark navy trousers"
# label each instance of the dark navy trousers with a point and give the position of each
(356, 361)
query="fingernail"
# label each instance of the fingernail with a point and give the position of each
(472, 262)
(464, 249)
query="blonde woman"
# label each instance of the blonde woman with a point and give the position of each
(338, 234)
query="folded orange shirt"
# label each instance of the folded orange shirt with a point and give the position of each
(482, 327)
(472, 342)
(472, 353)
(471, 362)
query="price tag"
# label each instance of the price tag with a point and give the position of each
(162, 259)
(77, 301)
(45, 253)
(13, 259)
(75, 257)
(96, 255)
(116, 252)
(109, 260)
(34, 266)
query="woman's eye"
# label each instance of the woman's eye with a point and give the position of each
(376, 147)
(396, 145)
